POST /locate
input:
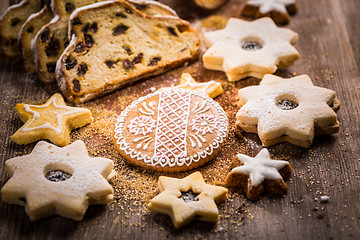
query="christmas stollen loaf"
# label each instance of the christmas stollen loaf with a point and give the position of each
(126, 46)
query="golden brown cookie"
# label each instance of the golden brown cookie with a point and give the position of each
(211, 89)
(53, 121)
(58, 181)
(278, 10)
(171, 130)
(259, 174)
(188, 199)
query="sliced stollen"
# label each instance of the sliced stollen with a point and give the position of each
(10, 24)
(53, 38)
(28, 32)
(127, 46)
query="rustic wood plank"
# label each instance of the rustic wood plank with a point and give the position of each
(330, 54)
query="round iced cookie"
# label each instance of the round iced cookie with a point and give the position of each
(171, 130)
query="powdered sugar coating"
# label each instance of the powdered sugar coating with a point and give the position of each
(266, 6)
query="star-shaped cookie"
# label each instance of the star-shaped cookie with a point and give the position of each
(291, 110)
(211, 89)
(62, 181)
(254, 48)
(188, 199)
(52, 120)
(259, 174)
(278, 10)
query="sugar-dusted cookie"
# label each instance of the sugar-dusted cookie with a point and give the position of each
(188, 199)
(211, 88)
(171, 130)
(53, 121)
(259, 174)
(278, 10)
(58, 181)
(253, 49)
(288, 110)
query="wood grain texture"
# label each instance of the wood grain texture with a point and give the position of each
(329, 33)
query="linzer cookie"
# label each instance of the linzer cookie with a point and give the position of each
(52, 120)
(278, 10)
(171, 130)
(188, 199)
(244, 49)
(259, 174)
(58, 181)
(288, 110)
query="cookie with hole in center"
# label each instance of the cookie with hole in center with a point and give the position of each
(171, 130)
(187, 199)
(250, 49)
(288, 110)
(58, 181)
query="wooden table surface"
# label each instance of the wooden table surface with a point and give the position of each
(329, 45)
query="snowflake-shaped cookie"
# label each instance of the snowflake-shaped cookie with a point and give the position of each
(254, 48)
(258, 174)
(188, 199)
(53, 180)
(292, 110)
(278, 10)
(52, 120)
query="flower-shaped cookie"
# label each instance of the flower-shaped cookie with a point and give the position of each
(211, 89)
(255, 175)
(292, 110)
(254, 48)
(278, 10)
(53, 180)
(187, 199)
(52, 120)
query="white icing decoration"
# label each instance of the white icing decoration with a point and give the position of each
(170, 102)
(204, 124)
(148, 110)
(59, 116)
(142, 125)
(266, 6)
(260, 167)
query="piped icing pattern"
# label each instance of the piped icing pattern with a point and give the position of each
(266, 6)
(260, 167)
(53, 121)
(171, 128)
(255, 48)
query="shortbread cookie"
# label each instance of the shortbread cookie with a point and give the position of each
(52, 120)
(146, 46)
(253, 49)
(53, 38)
(210, 4)
(288, 110)
(10, 24)
(28, 32)
(58, 181)
(259, 174)
(187, 199)
(171, 130)
(278, 10)
(211, 89)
